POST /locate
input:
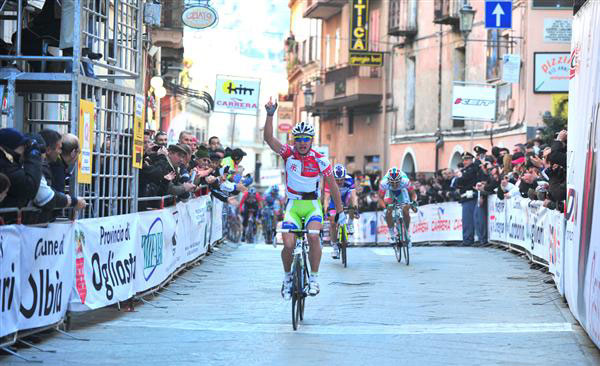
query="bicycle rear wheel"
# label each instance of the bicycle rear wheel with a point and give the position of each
(405, 247)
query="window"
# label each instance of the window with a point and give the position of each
(459, 64)
(305, 51)
(458, 123)
(374, 30)
(411, 90)
(327, 51)
(556, 4)
(350, 122)
(349, 160)
(336, 56)
(496, 48)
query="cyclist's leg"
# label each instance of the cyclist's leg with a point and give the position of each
(389, 219)
(313, 214)
(333, 233)
(291, 220)
(406, 216)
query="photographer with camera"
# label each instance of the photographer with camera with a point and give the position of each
(21, 162)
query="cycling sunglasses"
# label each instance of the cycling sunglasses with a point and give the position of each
(302, 138)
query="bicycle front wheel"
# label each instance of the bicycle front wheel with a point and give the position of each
(344, 245)
(405, 248)
(297, 295)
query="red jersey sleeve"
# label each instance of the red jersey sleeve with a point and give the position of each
(286, 151)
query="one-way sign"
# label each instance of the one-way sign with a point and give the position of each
(498, 14)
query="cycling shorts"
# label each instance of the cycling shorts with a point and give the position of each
(296, 210)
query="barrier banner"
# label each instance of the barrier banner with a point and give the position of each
(47, 273)
(365, 228)
(156, 246)
(516, 220)
(106, 261)
(197, 228)
(217, 221)
(554, 237)
(10, 284)
(496, 219)
(437, 222)
(383, 233)
(582, 251)
(537, 216)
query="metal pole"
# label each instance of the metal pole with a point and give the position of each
(232, 128)
(19, 26)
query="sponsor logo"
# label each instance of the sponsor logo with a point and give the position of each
(229, 87)
(45, 248)
(80, 266)
(571, 208)
(474, 102)
(152, 247)
(574, 61)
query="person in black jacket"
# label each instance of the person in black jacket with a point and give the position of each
(162, 177)
(466, 181)
(62, 168)
(20, 160)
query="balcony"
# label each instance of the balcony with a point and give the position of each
(323, 9)
(403, 18)
(349, 86)
(446, 11)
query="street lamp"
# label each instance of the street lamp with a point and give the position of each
(467, 13)
(308, 97)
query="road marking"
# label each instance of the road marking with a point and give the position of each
(384, 251)
(383, 329)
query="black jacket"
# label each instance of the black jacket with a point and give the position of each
(470, 177)
(24, 177)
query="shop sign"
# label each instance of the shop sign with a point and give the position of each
(359, 26)
(551, 72)
(365, 58)
(200, 16)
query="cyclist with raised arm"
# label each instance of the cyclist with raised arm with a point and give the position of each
(345, 184)
(396, 187)
(303, 170)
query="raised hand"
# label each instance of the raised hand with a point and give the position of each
(270, 107)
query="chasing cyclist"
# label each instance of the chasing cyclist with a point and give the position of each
(303, 170)
(272, 204)
(250, 204)
(396, 187)
(345, 184)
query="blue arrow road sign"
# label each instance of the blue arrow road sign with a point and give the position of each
(498, 14)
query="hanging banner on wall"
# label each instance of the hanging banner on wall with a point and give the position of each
(86, 141)
(359, 25)
(10, 274)
(285, 116)
(237, 95)
(474, 101)
(551, 72)
(46, 274)
(138, 132)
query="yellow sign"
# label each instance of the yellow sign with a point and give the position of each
(86, 141)
(138, 132)
(359, 26)
(365, 58)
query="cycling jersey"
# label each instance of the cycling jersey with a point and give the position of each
(345, 192)
(399, 194)
(249, 201)
(273, 201)
(302, 173)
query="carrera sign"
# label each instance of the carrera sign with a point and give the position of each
(237, 95)
(474, 102)
(199, 17)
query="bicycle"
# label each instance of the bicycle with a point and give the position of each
(343, 234)
(299, 273)
(401, 244)
(268, 231)
(250, 231)
(233, 225)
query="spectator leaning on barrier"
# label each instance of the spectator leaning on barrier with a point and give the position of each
(162, 177)
(21, 162)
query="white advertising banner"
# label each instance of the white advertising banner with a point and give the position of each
(217, 221)
(10, 284)
(237, 95)
(365, 228)
(554, 237)
(557, 30)
(474, 102)
(197, 228)
(516, 221)
(535, 230)
(582, 250)
(156, 247)
(106, 261)
(47, 273)
(437, 222)
(496, 219)
(511, 68)
(551, 72)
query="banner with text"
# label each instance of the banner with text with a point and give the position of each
(47, 273)
(10, 274)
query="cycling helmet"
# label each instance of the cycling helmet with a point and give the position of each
(275, 188)
(303, 128)
(252, 190)
(339, 172)
(394, 175)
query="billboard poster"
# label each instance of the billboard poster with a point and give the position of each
(551, 72)
(235, 95)
(474, 102)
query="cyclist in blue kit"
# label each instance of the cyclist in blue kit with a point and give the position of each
(346, 186)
